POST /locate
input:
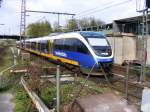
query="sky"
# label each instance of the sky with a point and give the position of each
(105, 10)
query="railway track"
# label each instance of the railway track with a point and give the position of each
(126, 84)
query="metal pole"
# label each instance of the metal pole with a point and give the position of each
(144, 44)
(72, 23)
(58, 22)
(1, 80)
(58, 88)
(127, 78)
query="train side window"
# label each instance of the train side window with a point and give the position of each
(51, 45)
(73, 44)
(59, 44)
(67, 44)
(27, 45)
(33, 45)
(47, 46)
(81, 47)
(44, 46)
(38, 46)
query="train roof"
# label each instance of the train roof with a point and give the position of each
(69, 34)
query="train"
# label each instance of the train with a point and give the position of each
(84, 49)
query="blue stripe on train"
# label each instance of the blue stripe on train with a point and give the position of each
(105, 60)
(85, 60)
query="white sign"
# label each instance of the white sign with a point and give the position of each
(61, 54)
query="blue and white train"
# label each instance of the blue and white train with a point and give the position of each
(84, 49)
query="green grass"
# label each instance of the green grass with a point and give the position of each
(69, 91)
(48, 95)
(7, 59)
(21, 98)
(11, 83)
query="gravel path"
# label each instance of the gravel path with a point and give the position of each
(6, 102)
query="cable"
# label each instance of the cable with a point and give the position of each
(82, 86)
(85, 11)
(117, 4)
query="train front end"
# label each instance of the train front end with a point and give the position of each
(101, 51)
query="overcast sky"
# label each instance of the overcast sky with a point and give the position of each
(10, 11)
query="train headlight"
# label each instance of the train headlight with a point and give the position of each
(109, 52)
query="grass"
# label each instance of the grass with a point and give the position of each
(69, 91)
(7, 59)
(6, 56)
(11, 82)
(21, 98)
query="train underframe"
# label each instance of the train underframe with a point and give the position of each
(104, 67)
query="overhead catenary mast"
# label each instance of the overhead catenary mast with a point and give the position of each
(145, 32)
(23, 19)
(54, 13)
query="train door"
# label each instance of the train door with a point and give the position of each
(48, 46)
(51, 45)
(38, 46)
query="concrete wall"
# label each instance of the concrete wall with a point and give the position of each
(124, 48)
(129, 48)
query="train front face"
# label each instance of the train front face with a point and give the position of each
(101, 50)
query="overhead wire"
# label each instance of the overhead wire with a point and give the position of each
(85, 11)
(107, 7)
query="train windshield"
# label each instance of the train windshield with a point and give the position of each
(98, 42)
(100, 46)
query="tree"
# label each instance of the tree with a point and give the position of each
(39, 29)
(84, 22)
(56, 27)
(72, 24)
(93, 22)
